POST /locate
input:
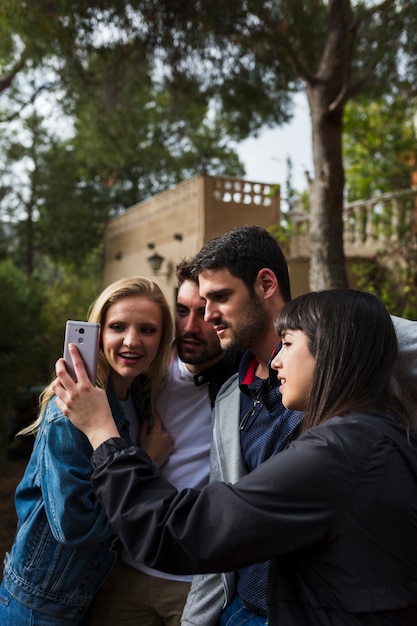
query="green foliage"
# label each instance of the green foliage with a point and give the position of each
(379, 146)
(152, 89)
(394, 285)
(138, 138)
(23, 341)
(130, 134)
(32, 323)
(392, 275)
(73, 209)
(69, 296)
(380, 157)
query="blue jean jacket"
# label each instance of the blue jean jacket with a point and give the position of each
(64, 544)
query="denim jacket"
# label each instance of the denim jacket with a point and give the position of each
(64, 544)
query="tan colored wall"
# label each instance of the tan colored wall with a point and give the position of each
(205, 206)
(197, 210)
(298, 269)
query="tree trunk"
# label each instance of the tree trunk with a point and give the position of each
(326, 93)
(327, 261)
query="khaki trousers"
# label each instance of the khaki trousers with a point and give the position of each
(129, 597)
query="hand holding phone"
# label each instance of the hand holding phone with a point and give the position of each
(86, 336)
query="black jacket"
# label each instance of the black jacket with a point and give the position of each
(336, 513)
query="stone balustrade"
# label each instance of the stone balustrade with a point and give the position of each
(369, 225)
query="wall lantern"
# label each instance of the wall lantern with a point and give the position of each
(155, 261)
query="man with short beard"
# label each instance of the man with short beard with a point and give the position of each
(244, 281)
(134, 593)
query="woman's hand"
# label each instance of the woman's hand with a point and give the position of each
(155, 440)
(85, 405)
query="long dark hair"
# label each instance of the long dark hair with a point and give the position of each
(352, 338)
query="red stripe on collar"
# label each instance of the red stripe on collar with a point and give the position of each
(250, 372)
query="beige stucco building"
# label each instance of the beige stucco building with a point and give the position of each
(176, 223)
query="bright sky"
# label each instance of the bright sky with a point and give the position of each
(265, 158)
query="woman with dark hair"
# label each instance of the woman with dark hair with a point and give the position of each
(350, 336)
(336, 512)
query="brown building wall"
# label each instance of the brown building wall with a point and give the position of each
(177, 222)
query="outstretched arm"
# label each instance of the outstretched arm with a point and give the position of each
(85, 405)
(88, 409)
(224, 527)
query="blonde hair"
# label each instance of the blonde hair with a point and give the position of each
(152, 380)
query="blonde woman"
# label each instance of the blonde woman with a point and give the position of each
(64, 544)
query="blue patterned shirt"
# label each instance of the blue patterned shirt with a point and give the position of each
(266, 427)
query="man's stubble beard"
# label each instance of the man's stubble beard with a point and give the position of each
(253, 326)
(199, 357)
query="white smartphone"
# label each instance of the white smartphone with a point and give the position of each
(86, 336)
